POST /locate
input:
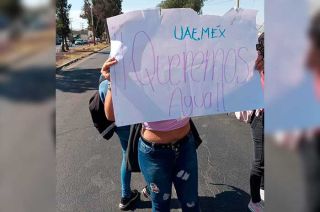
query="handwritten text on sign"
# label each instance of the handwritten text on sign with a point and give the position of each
(175, 63)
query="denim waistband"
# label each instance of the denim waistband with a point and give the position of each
(173, 145)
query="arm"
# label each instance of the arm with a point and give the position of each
(108, 106)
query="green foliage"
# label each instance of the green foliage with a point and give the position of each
(101, 10)
(62, 20)
(11, 8)
(194, 4)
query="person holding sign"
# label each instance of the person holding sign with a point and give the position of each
(128, 196)
(167, 155)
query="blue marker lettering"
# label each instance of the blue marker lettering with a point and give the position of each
(175, 33)
(213, 32)
(206, 30)
(187, 33)
(222, 33)
(194, 31)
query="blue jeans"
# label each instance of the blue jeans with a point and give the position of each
(162, 167)
(123, 134)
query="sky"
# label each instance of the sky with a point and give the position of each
(34, 3)
(211, 7)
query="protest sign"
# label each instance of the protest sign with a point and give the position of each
(174, 63)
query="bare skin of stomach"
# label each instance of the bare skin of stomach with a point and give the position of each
(166, 137)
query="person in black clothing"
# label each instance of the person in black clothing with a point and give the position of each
(257, 130)
(310, 145)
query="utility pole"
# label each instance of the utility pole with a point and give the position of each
(71, 29)
(94, 36)
(237, 4)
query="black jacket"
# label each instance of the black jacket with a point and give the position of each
(102, 124)
(132, 150)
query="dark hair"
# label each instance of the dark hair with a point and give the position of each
(314, 30)
(260, 44)
(259, 64)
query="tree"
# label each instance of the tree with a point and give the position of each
(63, 22)
(101, 10)
(194, 4)
(11, 8)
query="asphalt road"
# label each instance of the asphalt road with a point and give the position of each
(88, 167)
(27, 148)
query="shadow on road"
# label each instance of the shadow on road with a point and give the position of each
(234, 199)
(78, 80)
(33, 84)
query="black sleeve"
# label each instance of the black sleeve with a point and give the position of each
(132, 163)
(195, 133)
(99, 119)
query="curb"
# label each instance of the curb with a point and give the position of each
(58, 68)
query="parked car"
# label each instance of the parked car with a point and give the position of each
(58, 41)
(69, 43)
(97, 40)
(79, 42)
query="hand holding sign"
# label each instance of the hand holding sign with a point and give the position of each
(105, 70)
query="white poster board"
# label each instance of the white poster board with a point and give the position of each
(174, 63)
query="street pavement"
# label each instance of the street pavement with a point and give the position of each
(88, 167)
(27, 148)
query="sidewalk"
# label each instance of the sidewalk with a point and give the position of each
(29, 44)
(66, 58)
